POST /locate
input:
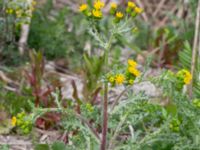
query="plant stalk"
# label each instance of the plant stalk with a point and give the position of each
(105, 118)
(105, 99)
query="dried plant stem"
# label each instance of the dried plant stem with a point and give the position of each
(195, 45)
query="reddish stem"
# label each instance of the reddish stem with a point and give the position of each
(105, 118)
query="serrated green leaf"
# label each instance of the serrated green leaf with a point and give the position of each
(58, 146)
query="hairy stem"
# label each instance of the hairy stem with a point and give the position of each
(105, 118)
(105, 99)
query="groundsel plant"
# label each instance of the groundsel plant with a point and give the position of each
(121, 24)
(135, 123)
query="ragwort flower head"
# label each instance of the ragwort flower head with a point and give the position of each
(134, 71)
(113, 6)
(97, 13)
(14, 121)
(138, 10)
(131, 4)
(83, 7)
(98, 5)
(132, 63)
(119, 79)
(184, 75)
(188, 77)
(119, 15)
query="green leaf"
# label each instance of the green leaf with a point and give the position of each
(171, 109)
(58, 146)
(42, 147)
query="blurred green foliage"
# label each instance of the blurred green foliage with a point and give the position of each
(60, 34)
(10, 32)
(15, 103)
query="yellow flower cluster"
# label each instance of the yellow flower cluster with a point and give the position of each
(134, 71)
(96, 10)
(131, 4)
(185, 76)
(132, 63)
(113, 5)
(98, 5)
(116, 79)
(83, 7)
(119, 15)
(126, 78)
(97, 13)
(132, 9)
(138, 10)
(188, 77)
(132, 68)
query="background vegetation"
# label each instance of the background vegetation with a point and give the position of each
(53, 75)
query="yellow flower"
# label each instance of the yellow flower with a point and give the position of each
(97, 13)
(119, 15)
(14, 121)
(132, 63)
(131, 5)
(111, 79)
(98, 5)
(119, 79)
(134, 71)
(138, 10)
(83, 7)
(188, 77)
(185, 75)
(113, 5)
(187, 80)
